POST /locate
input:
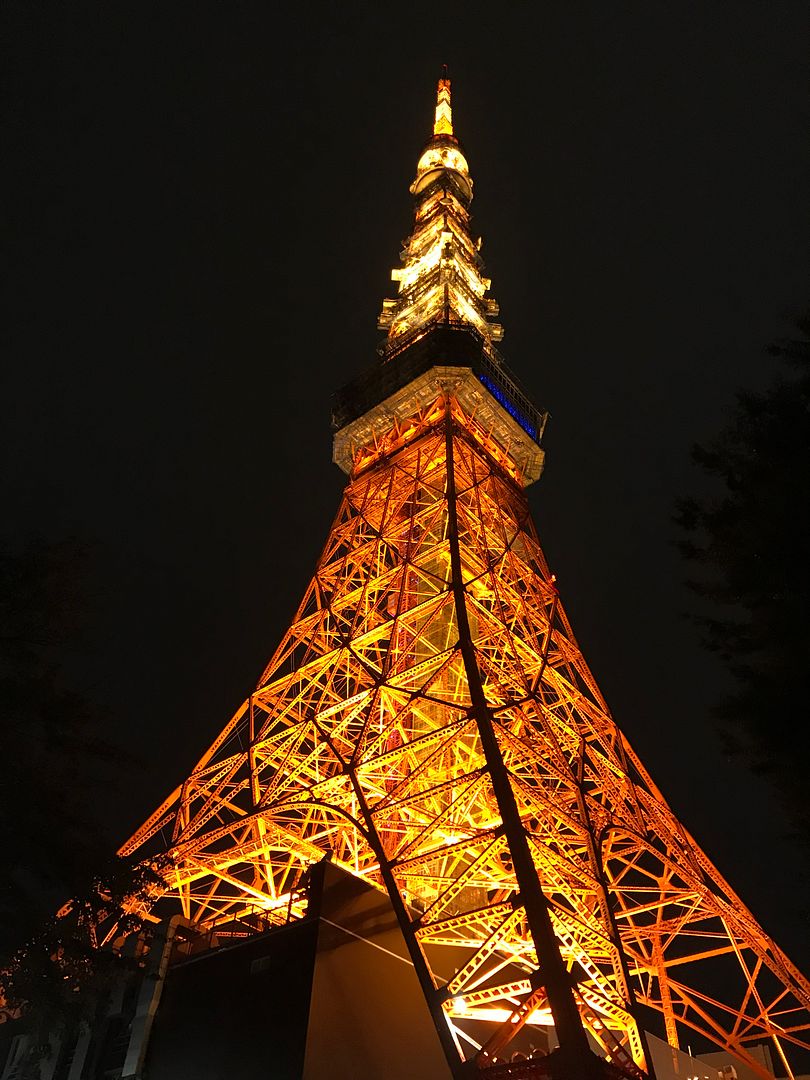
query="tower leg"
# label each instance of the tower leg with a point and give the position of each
(575, 1055)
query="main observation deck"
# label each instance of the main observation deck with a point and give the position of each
(443, 356)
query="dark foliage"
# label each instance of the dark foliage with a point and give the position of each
(55, 854)
(60, 974)
(47, 832)
(751, 546)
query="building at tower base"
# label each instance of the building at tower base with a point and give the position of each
(333, 995)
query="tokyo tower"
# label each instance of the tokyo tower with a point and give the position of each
(430, 724)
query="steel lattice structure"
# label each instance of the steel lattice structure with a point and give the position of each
(429, 721)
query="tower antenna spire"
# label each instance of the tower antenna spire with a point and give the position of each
(443, 124)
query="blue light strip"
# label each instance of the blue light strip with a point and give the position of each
(501, 396)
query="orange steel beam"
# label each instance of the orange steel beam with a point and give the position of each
(366, 703)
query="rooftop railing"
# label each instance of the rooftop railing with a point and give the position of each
(439, 343)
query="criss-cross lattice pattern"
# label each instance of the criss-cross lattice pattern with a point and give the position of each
(361, 741)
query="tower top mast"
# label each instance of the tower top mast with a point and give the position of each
(441, 326)
(441, 280)
(443, 124)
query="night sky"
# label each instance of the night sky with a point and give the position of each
(203, 206)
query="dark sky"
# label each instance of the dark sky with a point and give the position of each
(205, 202)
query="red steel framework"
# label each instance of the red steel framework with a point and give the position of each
(430, 723)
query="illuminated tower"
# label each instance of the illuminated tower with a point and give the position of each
(429, 722)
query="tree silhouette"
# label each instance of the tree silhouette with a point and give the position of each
(47, 836)
(750, 545)
(56, 856)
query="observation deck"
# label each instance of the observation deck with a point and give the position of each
(445, 355)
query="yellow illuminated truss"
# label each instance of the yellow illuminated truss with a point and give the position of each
(363, 739)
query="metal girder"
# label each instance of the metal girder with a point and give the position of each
(405, 768)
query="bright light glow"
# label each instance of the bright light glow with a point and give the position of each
(492, 1014)
(442, 276)
(443, 157)
(443, 124)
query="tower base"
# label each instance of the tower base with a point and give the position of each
(334, 995)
